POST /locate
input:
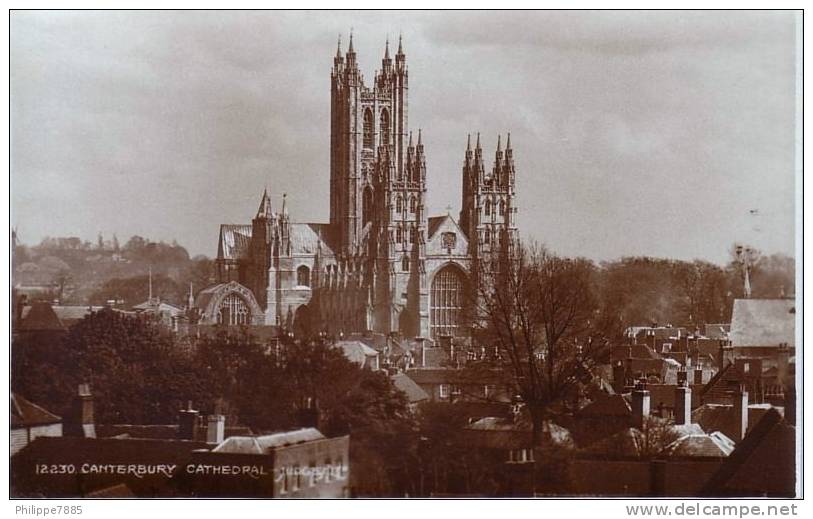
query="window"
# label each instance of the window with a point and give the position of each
(487, 237)
(385, 128)
(368, 129)
(413, 205)
(502, 208)
(521, 456)
(443, 391)
(297, 478)
(446, 302)
(405, 264)
(399, 205)
(746, 367)
(283, 481)
(488, 207)
(233, 310)
(312, 475)
(399, 235)
(327, 469)
(303, 276)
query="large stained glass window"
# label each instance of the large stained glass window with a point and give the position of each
(233, 310)
(446, 302)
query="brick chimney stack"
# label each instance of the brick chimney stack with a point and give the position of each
(187, 422)
(683, 404)
(640, 404)
(216, 429)
(740, 403)
(81, 421)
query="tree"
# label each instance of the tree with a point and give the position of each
(541, 314)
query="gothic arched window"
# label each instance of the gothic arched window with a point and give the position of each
(385, 127)
(488, 207)
(487, 238)
(303, 276)
(369, 140)
(399, 205)
(399, 235)
(502, 207)
(233, 310)
(405, 263)
(446, 301)
(413, 205)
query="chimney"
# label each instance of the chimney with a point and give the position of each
(619, 376)
(782, 360)
(725, 353)
(309, 413)
(650, 339)
(80, 422)
(790, 405)
(740, 403)
(422, 346)
(640, 404)
(187, 422)
(683, 404)
(215, 429)
(698, 374)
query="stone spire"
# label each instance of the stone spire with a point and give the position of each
(264, 210)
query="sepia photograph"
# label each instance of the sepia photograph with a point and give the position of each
(405, 254)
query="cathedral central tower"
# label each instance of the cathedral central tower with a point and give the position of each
(363, 122)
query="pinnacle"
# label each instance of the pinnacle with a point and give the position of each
(468, 143)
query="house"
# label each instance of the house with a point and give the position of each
(193, 462)
(760, 326)
(762, 465)
(414, 393)
(28, 421)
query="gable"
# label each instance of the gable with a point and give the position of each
(446, 237)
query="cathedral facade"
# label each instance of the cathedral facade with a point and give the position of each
(381, 263)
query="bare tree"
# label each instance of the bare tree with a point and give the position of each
(539, 315)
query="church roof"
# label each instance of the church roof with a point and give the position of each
(763, 322)
(305, 238)
(234, 242)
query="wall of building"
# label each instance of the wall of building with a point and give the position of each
(21, 437)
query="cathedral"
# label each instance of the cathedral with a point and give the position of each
(381, 263)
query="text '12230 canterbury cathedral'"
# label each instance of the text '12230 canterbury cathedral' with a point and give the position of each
(381, 264)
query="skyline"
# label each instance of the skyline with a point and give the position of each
(627, 126)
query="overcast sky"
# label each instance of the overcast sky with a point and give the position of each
(668, 134)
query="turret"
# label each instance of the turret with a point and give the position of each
(386, 63)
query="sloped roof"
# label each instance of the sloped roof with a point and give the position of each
(234, 242)
(506, 433)
(434, 222)
(41, 318)
(763, 322)
(159, 307)
(610, 405)
(305, 238)
(413, 391)
(715, 445)
(267, 443)
(721, 417)
(356, 351)
(27, 414)
(763, 464)
(716, 331)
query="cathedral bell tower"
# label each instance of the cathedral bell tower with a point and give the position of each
(488, 214)
(364, 123)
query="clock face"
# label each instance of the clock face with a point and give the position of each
(449, 240)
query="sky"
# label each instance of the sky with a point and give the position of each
(667, 134)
